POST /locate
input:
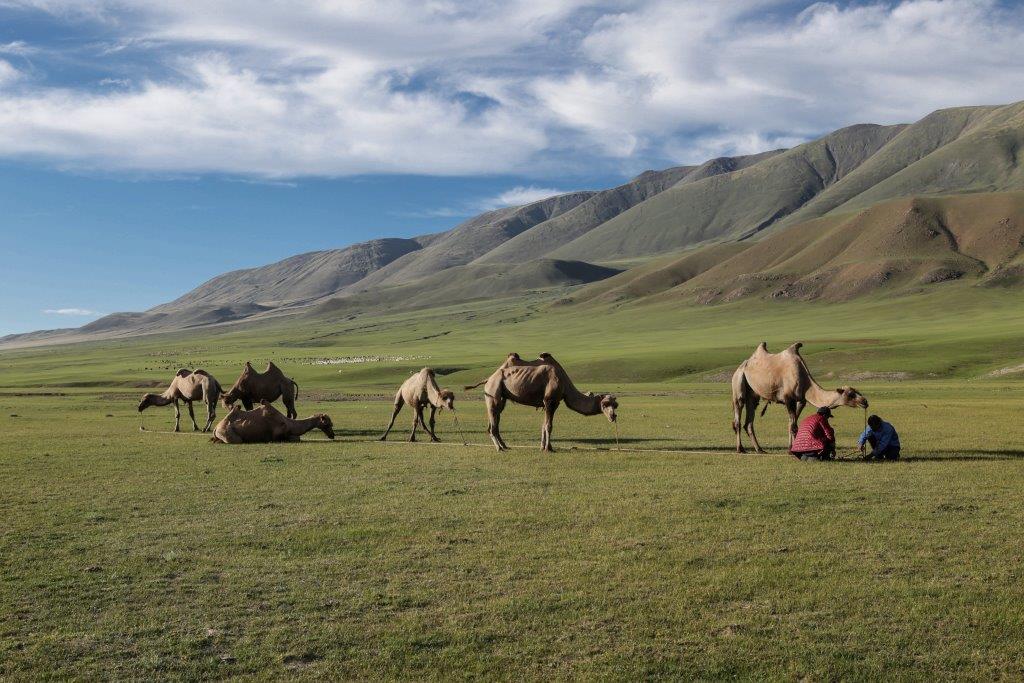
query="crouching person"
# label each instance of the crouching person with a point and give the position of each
(883, 439)
(815, 439)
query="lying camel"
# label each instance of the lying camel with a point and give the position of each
(781, 378)
(265, 424)
(188, 386)
(420, 391)
(251, 387)
(542, 384)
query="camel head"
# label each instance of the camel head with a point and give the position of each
(147, 401)
(229, 397)
(609, 404)
(851, 398)
(447, 399)
(324, 424)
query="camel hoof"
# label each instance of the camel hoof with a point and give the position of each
(761, 450)
(741, 450)
(383, 438)
(435, 440)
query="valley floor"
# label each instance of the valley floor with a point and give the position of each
(130, 554)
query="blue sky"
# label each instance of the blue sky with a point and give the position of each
(225, 134)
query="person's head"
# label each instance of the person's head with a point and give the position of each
(825, 412)
(875, 423)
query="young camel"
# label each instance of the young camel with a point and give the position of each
(188, 386)
(420, 391)
(781, 378)
(542, 384)
(265, 424)
(251, 387)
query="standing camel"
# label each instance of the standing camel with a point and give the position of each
(781, 378)
(542, 384)
(251, 387)
(188, 386)
(265, 424)
(420, 391)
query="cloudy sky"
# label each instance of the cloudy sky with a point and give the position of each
(146, 145)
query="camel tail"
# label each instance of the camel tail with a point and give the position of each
(765, 409)
(474, 386)
(296, 385)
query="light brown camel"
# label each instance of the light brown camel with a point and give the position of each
(251, 387)
(188, 386)
(265, 424)
(420, 391)
(781, 378)
(542, 384)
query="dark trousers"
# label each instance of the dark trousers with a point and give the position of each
(826, 453)
(891, 452)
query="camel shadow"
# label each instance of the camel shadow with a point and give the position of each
(611, 441)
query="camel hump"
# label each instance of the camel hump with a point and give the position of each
(183, 373)
(763, 346)
(204, 373)
(795, 347)
(429, 371)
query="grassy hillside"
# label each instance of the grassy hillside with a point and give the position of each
(731, 205)
(900, 246)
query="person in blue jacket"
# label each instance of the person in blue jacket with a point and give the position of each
(884, 441)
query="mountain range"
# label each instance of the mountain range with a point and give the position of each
(865, 209)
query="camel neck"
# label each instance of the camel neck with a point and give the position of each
(820, 397)
(299, 427)
(433, 392)
(580, 402)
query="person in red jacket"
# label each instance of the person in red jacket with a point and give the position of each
(815, 439)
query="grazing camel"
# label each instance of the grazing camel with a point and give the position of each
(251, 387)
(188, 386)
(781, 378)
(420, 391)
(265, 424)
(542, 384)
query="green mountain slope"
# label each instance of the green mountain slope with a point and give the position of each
(732, 205)
(900, 246)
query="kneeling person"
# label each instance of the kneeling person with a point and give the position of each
(885, 442)
(815, 439)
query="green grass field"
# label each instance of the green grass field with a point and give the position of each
(146, 554)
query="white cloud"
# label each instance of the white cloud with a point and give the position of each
(517, 196)
(70, 311)
(327, 87)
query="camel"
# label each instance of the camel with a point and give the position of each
(420, 391)
(265, 424)
(542, 383)
(781, 378)
(251, 387)
(188, 386)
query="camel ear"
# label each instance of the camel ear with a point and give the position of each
(264, 402)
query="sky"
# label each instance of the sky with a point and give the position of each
(148, 145)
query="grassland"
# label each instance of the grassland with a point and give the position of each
(152, 555)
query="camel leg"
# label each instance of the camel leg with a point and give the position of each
(399, 402)
(737, 416)
(794, 414)
(433, 414)
(494, 408)
(748, 424)
(288, 399)
(211, 414)
(192, 414)
(247, 403)
(417, 417)
(177, 416)
(545, 431)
